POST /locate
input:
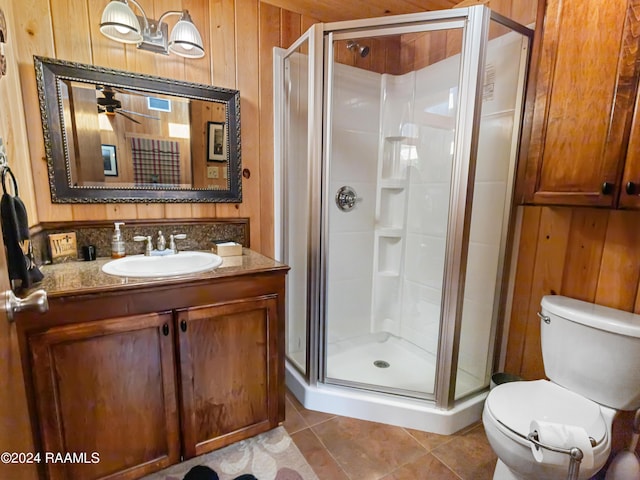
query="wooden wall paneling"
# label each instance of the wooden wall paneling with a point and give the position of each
(525, 12)
(105, 52)
(269, 29)
(290, 27)
(520, 317)
(224, 54)
(584, 253)
(223, 43)
(620, 266)
(12, 120)
(454, 41)
(552, 241)
(306, 22)
(172, 65)
(437, 46)
(32, 35)
(248, 83)
(73, 42)
(417, 48)
(178, 210)
(199, 70)
(393, 56)
(150, 210)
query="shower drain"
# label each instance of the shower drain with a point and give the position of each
(381, 364)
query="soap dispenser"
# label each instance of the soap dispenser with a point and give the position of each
(117, 242)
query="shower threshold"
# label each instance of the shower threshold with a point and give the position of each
(384, 408)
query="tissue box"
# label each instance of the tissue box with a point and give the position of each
(227, 249)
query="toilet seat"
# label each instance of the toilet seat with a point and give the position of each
(515, 405)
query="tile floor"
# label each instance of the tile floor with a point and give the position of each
(342, 448)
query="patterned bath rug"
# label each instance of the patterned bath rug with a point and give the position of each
(269, 456)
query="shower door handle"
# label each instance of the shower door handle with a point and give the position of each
(346, 198)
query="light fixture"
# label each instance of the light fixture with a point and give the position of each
(121, 24)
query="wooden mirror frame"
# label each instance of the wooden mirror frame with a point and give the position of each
(49, 73)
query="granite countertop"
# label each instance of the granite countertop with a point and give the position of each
(80, 278)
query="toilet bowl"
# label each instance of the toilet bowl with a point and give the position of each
(507, 418)
(591, 356)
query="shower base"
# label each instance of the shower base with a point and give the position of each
(410, 368)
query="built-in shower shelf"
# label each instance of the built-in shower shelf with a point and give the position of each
(393, 183)
(389, 273)
(402, 140)
(389, 232)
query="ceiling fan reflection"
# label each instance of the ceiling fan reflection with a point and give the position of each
(110, 105)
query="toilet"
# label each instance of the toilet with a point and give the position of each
(591, 357)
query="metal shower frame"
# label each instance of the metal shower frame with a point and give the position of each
(320, 38)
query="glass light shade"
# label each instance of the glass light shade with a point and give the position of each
(120, 23)
(185, 39)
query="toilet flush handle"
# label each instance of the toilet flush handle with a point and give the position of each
(544, 318)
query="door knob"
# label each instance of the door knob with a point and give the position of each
(36, 300)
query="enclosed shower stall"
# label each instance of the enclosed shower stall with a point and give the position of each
(396, 145)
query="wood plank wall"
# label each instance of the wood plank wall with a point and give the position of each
(585, 253)
(238, 35)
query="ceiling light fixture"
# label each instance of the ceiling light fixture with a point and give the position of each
(119, 23)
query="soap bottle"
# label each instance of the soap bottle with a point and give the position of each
(117, 243)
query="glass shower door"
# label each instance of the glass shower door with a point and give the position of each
(296, 110)
(393, 100)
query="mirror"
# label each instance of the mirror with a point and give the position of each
(113, 136)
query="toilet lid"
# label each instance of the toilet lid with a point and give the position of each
(517, 404)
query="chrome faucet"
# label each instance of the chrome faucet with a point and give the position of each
(161, 245)
(148, 247)
(172, 241)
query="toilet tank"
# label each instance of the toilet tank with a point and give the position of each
(592, 350)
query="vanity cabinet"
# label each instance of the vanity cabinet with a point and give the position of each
(107, 387)
(585, 93)
(228, 372)
(151, 374)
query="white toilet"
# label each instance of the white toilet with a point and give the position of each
(592, 359)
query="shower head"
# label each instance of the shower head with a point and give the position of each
(354, 46)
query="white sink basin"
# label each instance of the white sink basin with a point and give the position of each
(182, 263)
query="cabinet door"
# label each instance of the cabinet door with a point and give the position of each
(228, 372)
(87, 378)
(585, 90)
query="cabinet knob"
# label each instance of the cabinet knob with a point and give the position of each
(183, 325)
(607, 188)
(165, 329)
(630, 188)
